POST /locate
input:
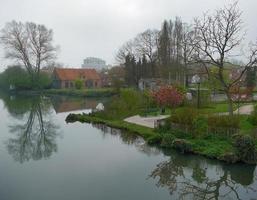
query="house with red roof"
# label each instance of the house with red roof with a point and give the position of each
(65, 78)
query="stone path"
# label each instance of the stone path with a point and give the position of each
(145, 121)
(151, 121)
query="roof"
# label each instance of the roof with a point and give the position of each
(73, 73)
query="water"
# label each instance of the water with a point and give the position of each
(42, 157)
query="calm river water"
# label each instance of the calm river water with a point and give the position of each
(43, 158)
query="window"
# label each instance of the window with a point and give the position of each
(71, 84)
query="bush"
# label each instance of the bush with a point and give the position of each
(245, 148)
(200, 126)
(223, 124)
(78, 84)
(155, 139)
(182, 145)
(224, 121)
(129, 102)
(44, 81)
(165, 127)
(184, 116)
(167, 140)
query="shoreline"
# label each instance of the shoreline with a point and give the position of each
(208, 150)
(67, 92)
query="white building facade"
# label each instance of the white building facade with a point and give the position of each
(92, 62)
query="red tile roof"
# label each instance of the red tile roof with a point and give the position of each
(73, 74)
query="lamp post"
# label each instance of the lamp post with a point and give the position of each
(197, 80)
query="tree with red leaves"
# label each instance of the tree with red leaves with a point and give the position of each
(168, 96)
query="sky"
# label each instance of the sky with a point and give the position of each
(85, 28)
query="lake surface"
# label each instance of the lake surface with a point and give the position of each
(42, 158)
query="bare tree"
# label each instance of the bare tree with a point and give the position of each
(146, 44)
(126, 49)
(29, 44)
(219, 37)
(188, 48)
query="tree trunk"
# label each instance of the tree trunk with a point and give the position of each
(230, 104)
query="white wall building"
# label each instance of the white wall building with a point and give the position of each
(92, 62)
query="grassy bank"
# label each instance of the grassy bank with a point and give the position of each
(120, 124)
(101, 92)
(188, 130)
(212, 147)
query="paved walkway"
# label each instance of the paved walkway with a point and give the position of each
(145, 121)
(150, 121)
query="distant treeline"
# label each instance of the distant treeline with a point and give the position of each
(16, 77)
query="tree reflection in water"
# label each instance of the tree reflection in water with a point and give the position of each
(34, 139)
(129, 139)
(194, 177)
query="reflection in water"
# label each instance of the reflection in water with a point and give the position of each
(34, 137)
(128, 138)
(199, 178)
(185, 176)
(67, 104)
(190, 176)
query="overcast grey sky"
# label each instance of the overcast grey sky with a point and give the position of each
(98, 28)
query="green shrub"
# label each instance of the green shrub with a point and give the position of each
(224, 121)
(44, 81)
(155, 139)
(166, 127)
(167, 140)
(78, 84)
(182, 145)
(129, 102)
(200, 126)
(223, 124)
(245, 148)
(184, 116)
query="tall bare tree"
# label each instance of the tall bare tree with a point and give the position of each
(219, 38)
(126, 49)
(29, 44)
(146, 44)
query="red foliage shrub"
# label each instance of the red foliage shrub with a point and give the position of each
(168, 96)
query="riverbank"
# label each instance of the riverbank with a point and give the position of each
(211, 147)
(101, 92)
(189, 130)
